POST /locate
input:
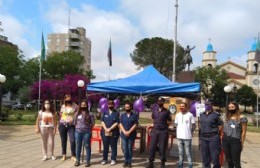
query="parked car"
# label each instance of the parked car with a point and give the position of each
(18, 106)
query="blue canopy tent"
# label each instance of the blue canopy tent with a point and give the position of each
(149, 81)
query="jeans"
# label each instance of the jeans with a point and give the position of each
(84, 137)
(158, 138)
(210, 150)
(112, 141)
(184, 144)
(64, 132)
(232, 150)
(128, 149)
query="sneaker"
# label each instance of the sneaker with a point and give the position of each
(44, 158)
(162, 165)
(149, 165)
(87, 164)
(129, 165)
(104, 162)
(53, 157)
(73, 158)
(76, 163)
(113, 162)
(63, 158)
(125, 165)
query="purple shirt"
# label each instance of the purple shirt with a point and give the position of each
(161, 118)
(84, 122)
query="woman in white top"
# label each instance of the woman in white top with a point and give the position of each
(46, 125)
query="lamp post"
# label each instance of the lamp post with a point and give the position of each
(227, 89)
(80, 84)
(2, 80)
(234, 89)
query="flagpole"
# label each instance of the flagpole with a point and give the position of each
(40, 80)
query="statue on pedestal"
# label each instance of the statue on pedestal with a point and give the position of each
(187, 59)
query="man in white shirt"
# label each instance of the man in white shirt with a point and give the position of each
(185, 123)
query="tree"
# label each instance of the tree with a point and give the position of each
(158, 52)
(246, 96)
(58, 65)
(30, 71)
(11, 62)
(213, 81)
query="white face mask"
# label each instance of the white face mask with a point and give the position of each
(47, 106)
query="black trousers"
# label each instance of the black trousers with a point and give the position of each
(64, 132)
(158, 138)
(232, 150)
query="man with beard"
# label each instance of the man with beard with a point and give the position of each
(159, 134)
(110, 132)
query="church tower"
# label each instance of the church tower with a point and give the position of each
(209, 56)
(251, 75)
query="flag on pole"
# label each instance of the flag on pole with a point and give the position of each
(109, 54)
(257, 53)
(42, 49)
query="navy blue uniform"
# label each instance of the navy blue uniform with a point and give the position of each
(210, 138)
(159, 133)
(109, 120)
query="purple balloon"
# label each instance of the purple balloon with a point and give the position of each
(139, 105)
(104, 108)
(102, 101)
(117, 103)
(193, 108)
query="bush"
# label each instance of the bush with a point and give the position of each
(6, 113)
(18, 116)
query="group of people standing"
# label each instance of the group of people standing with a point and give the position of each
(76, 121)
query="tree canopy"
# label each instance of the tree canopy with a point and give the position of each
(158, 52)
(246, 96)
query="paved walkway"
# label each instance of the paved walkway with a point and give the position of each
(21, 147)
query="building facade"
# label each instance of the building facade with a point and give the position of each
(76, 40)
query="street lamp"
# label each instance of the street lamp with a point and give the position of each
(80, 84)
(227, 89)
(2, 80)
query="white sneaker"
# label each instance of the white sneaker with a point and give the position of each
(53, 157)
(44, 158)
(113, 162)
(104, 162)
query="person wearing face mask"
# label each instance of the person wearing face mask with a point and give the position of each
(211, 126)
(46, 125)
(128, 125)
(84, 122)
(67, 126)
(110, 132)
(185, 123)
(159, 134)
(235, 126)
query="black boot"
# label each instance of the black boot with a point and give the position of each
(149, 164)
(162, 165)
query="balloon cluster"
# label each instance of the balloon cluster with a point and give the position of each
(103, 103)
(193, 107)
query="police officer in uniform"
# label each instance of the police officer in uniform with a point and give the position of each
(159, 134)
(211, 126)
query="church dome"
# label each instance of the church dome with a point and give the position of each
(209, 47)
(254, 46)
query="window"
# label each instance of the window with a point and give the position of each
(57, 40)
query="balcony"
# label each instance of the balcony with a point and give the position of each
(74, 44)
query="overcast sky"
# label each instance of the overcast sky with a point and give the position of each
(231, 25)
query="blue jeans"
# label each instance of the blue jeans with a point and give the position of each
(128, 149)
(184, 144)
(85, 138)
(109, 141)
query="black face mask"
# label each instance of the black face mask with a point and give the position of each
(68, 102)
(233, 111)
(84, 108)
(128, 110)
(111, 108)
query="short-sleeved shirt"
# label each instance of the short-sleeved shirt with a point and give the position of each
(210, 122)
(128, 122)
(84, 122)
(67, 114)
(46, 119)
(109, 119)
(184, 125)
(160, 119)
(233, 128)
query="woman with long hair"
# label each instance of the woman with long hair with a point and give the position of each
(67, 126)
(84, 122)
(46, 125)
(235, 127)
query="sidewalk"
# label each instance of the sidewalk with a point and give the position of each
(21, 147)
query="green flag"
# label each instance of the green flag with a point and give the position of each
(42, 49)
